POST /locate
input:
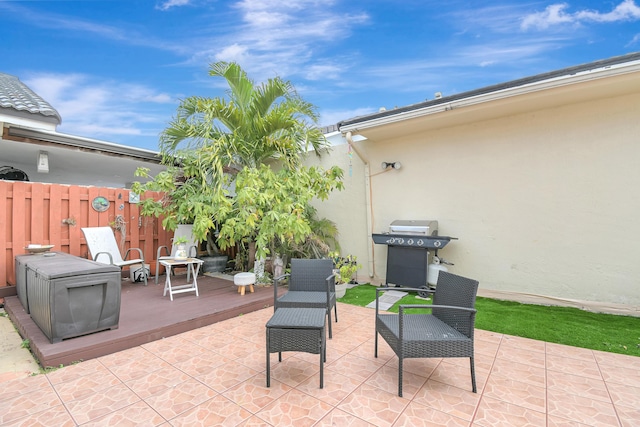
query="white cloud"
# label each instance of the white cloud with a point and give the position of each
(280, 37)
(486, 41)
(137, 93)
(557, 14)
(172, 3)
(103, 109)
(482, 21)
(289, 38)
(625, 11)
(293, 5)
(232, 53)
(264, 19)
(423, 73)
(552, 15)
(323, 72)
(332, 117)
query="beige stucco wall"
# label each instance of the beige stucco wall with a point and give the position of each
(347, 208)
(545, 203)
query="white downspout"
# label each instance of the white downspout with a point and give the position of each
(367, 195)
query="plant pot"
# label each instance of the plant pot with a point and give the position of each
(214, 264)
(341, 289)
(181, 252)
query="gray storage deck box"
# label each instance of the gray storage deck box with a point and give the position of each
(22, 261)
(70, 296)
(21, 279)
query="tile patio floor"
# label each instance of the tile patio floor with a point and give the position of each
(215, 375)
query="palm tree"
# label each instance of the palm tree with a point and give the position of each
(255, 124)
(213, 143)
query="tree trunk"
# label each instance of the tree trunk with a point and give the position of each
(212, 248)
(252, 255)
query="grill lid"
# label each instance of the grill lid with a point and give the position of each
(414, 227)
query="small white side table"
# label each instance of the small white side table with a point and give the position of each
(193, 266)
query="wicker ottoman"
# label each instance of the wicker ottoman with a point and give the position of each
(297, 329)
(242, 280)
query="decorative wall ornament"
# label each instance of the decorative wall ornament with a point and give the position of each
(100, 204)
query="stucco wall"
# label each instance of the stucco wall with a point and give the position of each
(544, 203)
(347, 208)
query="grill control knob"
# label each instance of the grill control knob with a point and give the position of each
(410, 242)
(437, 243)
(420, 242)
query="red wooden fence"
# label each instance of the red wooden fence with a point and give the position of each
(53, 214)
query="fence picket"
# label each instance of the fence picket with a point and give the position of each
(33, 212)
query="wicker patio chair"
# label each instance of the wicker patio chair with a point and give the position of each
(446, 332)
(312, 284)
(104, 249)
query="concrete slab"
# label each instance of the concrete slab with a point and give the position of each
(387, 299)
(15, 361)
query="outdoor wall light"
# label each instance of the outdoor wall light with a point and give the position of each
(43, 162)
(394, 165)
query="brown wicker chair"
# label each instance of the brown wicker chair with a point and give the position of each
(446, 332)
(312, 284)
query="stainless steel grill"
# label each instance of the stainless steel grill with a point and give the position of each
(414, 227)
(412, 233)
(408, 244)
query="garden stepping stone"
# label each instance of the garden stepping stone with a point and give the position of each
(387, 299)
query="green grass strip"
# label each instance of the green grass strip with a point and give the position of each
(562, 325)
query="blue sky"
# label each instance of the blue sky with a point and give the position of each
(116, 69)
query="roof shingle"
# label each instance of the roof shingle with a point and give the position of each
(16, 95)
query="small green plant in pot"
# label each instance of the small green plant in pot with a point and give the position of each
(344, 268)
(181, 245)
(347, 271)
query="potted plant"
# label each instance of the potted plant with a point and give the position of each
(181, 245)
(344, 268)
(214, 261)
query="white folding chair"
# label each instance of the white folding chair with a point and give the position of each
(183, 230)
(104, 249)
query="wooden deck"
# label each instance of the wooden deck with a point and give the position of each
(145, 315)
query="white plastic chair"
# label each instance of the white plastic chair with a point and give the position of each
(183, 230)
(104, 249)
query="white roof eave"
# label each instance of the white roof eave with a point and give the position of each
(82, 142)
